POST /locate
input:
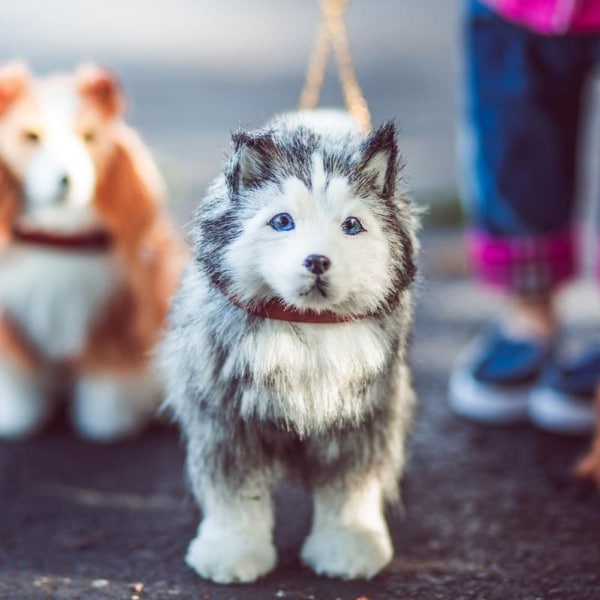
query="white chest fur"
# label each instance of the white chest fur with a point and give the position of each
(311, 374)
(54, 296)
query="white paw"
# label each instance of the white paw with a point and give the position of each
(349, 553)
(24, 407)
(230, 556)
(108, 409)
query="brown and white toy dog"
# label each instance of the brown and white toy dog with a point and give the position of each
(88, 259)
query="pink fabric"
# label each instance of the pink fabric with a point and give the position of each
(528, 264)
(551, 16)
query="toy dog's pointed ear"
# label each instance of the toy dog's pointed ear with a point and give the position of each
(102, 87)
(14, 78)
(378, 159)
(251, 160)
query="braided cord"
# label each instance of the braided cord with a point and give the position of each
(332, 34)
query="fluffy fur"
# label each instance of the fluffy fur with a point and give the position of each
(256, 398)
(69, 165)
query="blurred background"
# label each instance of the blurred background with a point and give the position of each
(196, 69)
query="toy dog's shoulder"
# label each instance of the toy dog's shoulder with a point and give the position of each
(328, 123)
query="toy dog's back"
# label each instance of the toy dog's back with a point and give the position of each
(286, 350)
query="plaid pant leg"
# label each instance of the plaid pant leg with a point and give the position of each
(527, 265)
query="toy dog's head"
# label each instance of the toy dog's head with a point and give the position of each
(312, 219)
(67, 161)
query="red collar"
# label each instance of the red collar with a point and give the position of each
(90, 240)
(277, 310)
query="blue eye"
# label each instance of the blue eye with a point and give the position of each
(282, 222)
(352, 226)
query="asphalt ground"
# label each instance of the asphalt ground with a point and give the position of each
(489, 513)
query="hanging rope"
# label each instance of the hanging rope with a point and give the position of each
(332, 34)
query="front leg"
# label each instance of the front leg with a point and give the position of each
(349, 536)
(26, 401)
(108, 406)
(235, 538)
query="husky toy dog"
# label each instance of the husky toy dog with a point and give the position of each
(286, 347)
(88, 259)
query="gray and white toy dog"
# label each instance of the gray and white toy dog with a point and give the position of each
(285, 352)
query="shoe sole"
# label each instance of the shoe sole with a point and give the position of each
(492, 405)
(558, 413)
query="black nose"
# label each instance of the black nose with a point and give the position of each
(317, 263)
(64, 182)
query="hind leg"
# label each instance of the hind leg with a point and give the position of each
(349, 536)
(109, 406)
(26, 404)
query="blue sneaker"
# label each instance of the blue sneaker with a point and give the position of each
(493, 378)
(564, 401)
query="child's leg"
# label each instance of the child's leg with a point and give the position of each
(522, 115)
(589, 465)
(523, 111)
(567, 400)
